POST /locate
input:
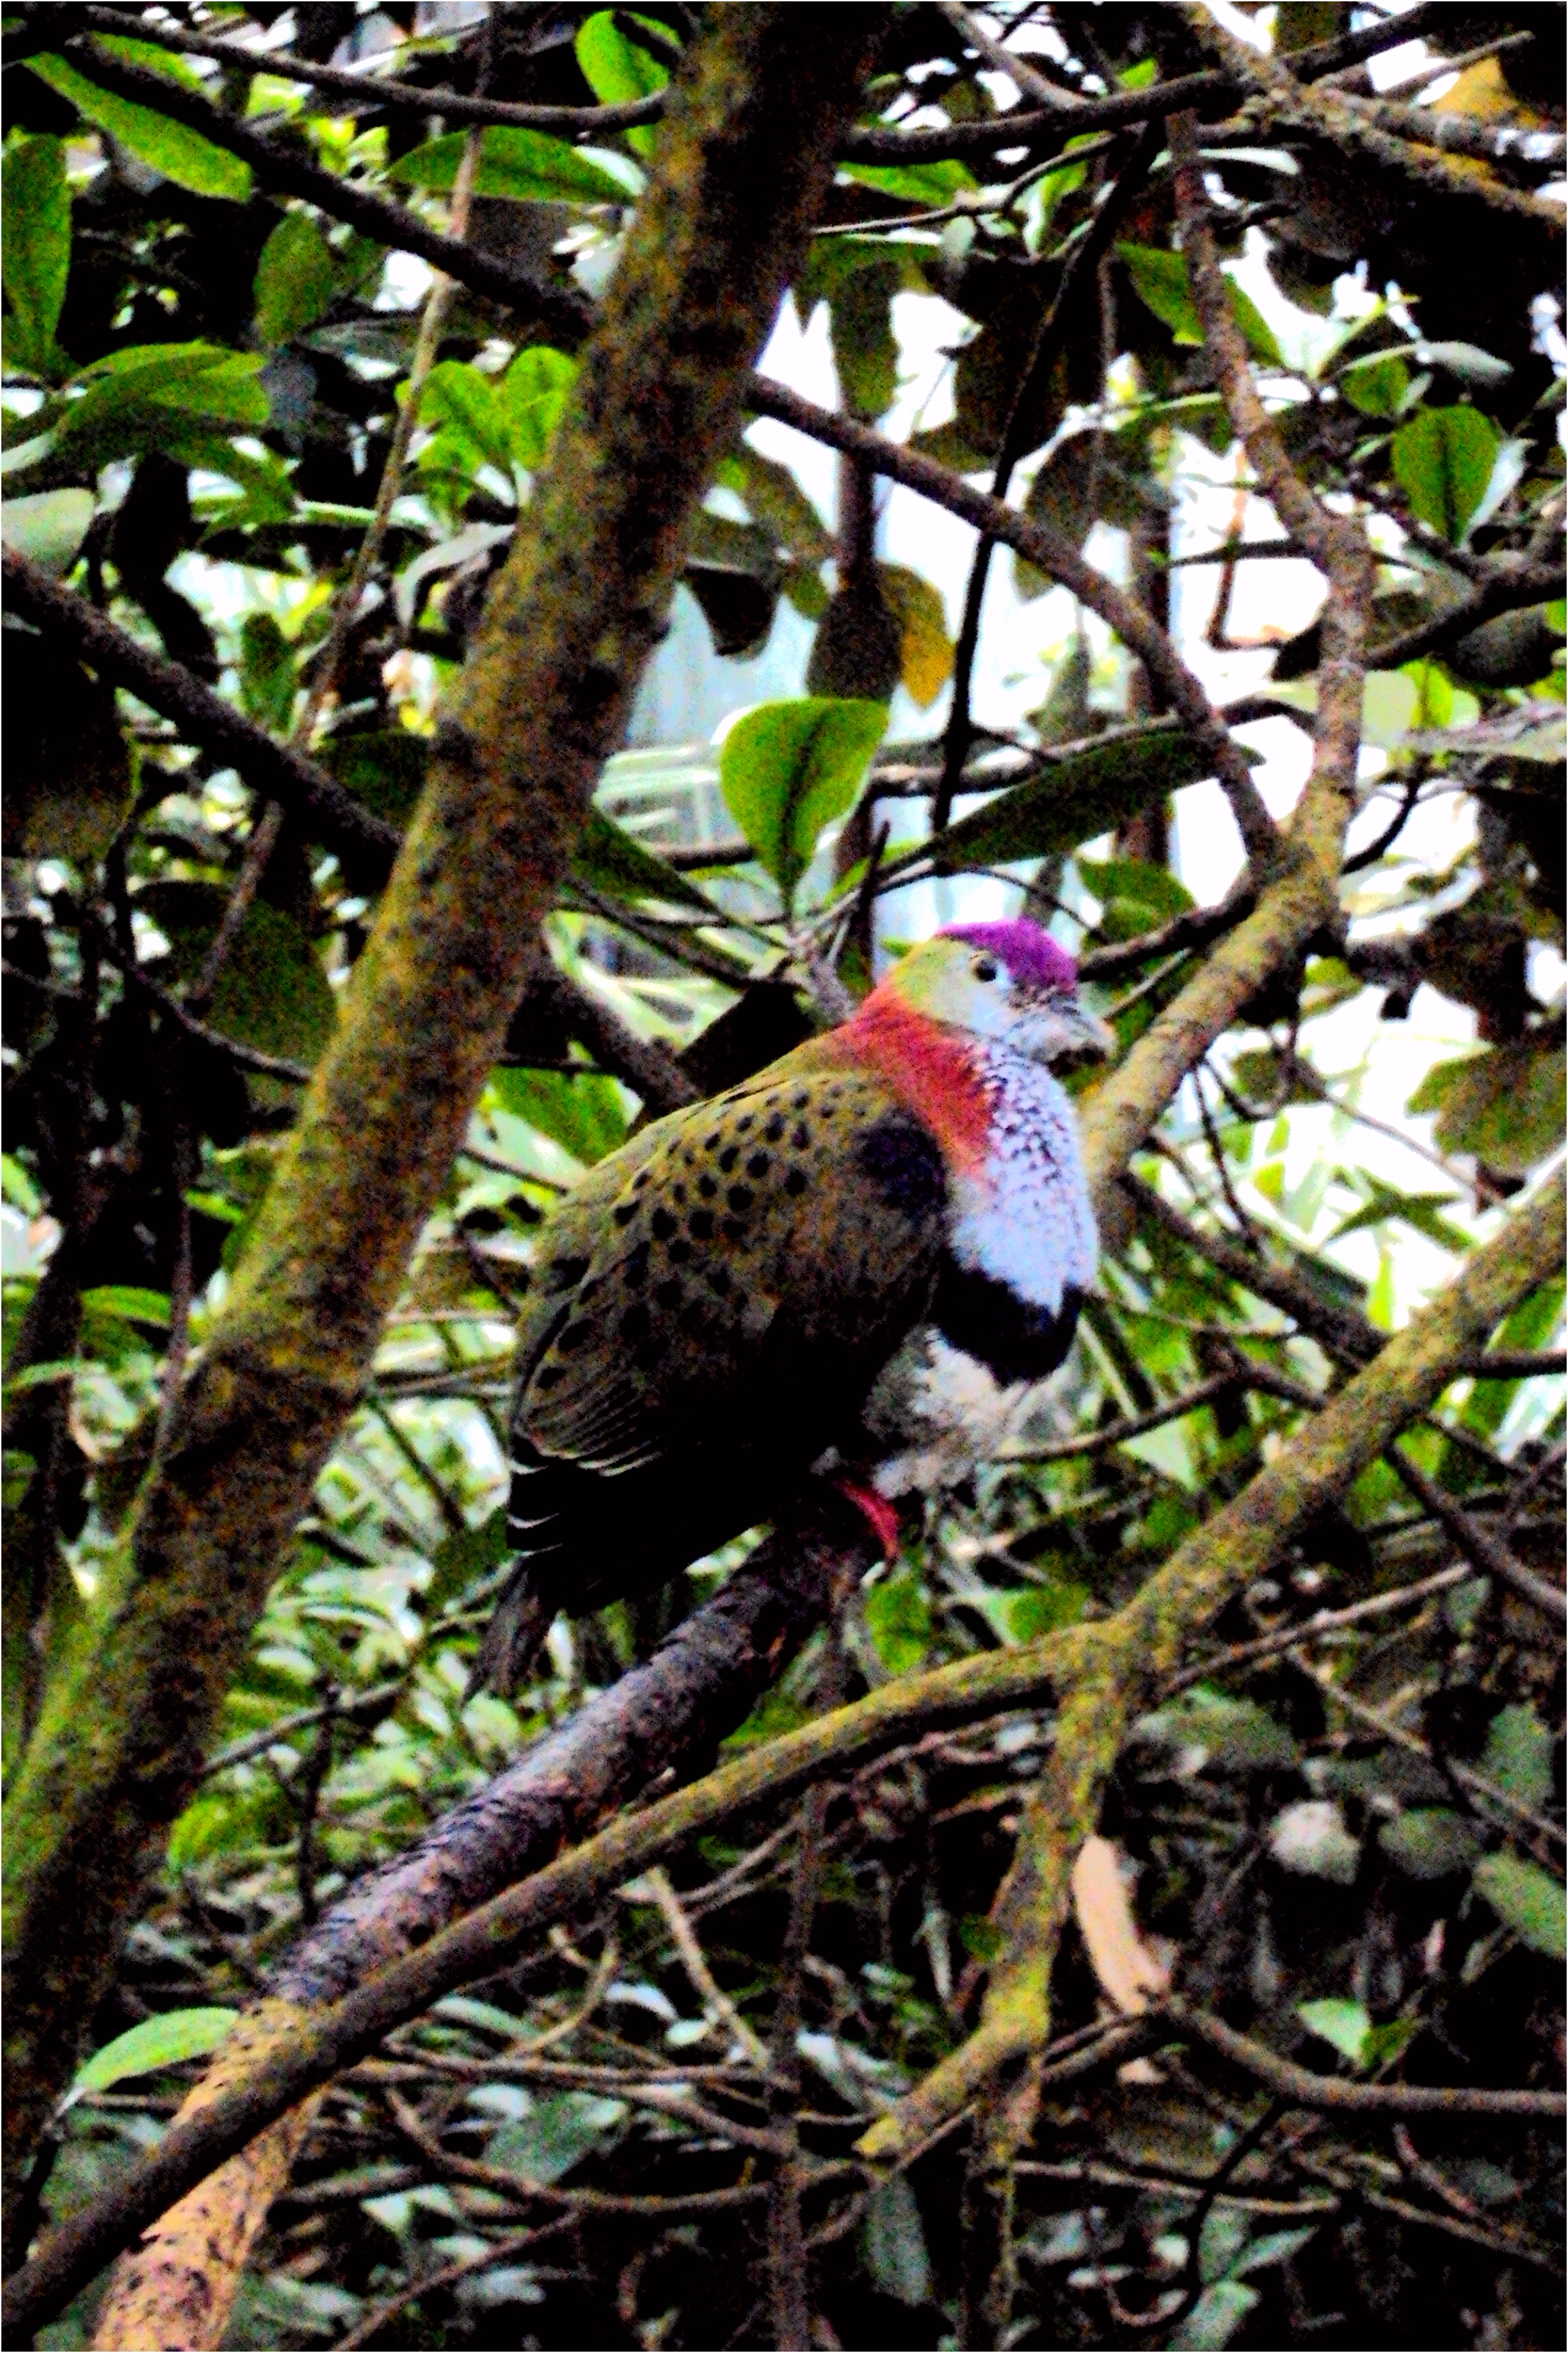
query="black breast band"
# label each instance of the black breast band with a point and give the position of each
(1015, 1339)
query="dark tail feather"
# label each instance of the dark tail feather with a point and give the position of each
(514, 1636)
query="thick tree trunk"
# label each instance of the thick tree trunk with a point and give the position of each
(746, 154)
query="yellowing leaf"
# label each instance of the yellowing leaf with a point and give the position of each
(1129, 1973)
(924, 647)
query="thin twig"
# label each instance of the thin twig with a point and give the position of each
(312, 1778)
(1476, 1784)
(1030, 82)
(345, 609)
(494, 2251)
(1323, 1622)
(695, 1962)
(1481, 1547)
(372, 90)
(256, 1744)
(1300, 2088)
(276, 770)
(1084, 261)
(284, 171)
(1117, 1433)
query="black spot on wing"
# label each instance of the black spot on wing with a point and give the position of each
(1015, 1339)
(903, 1165)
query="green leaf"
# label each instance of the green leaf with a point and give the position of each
(1215, 2318)
(1162, 282)
(460, 1559)
(527, 166)
(293, 280)
(1423, 1211)
(1260, 337)
(981, 1936)
(1429, 1842)
(130, 1304)
(266, 675)
(1345, 2024)
(777, 502)
(142, 397)
(1209, 1729)
(620, 70)
(35, 241)
(1273, 2247)
(788, 769)
(272, 993)
(49, 527)
(1031, 1610)
(17, 1186)
(895, 2244)
(1504, 1103)
(384, 767)
(68, 779)
(1089, 791)
(1390, 703)
(160, 2042)
(1443, 462)
(1222, 2240)
(1134, 896)
(533, 395)
(1518, 1756)
(1526, 1899)
(609, 859)
(1532, 1324)
(898, 1619)
(166, 147)
(462, 399)
(864, 348)
(931, 185)
(586, 1116)
(556, 2135)
(1377, 384)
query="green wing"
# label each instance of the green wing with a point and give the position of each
(796, 1222)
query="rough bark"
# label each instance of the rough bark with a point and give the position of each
(1100, 1670)
(667, 1716)
(746, 154)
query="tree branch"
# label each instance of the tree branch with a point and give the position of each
(664, 1716)
(1299, 2087)
(1112, 1666)
(287, 173)
(377, 91)
(1053, 554)
(1123, 1661)
(272, 769)
(568, 625)
(1481, 1547)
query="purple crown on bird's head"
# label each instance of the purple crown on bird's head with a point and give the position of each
(1030, 955)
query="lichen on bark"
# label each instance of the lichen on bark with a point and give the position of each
(744, 157)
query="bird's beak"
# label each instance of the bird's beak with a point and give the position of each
(1090, 1040)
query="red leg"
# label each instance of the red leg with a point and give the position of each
(880, 1516)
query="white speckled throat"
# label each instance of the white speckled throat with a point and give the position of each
(1026, 1218)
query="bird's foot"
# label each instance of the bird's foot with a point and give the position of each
(880, 1515)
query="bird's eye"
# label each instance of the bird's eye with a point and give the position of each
(984, 968)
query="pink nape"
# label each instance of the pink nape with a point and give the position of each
(881, 1516)
(1030, 953)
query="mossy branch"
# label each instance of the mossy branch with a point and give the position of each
(744, 159)
(1121, 1664)
(1101, 1671)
